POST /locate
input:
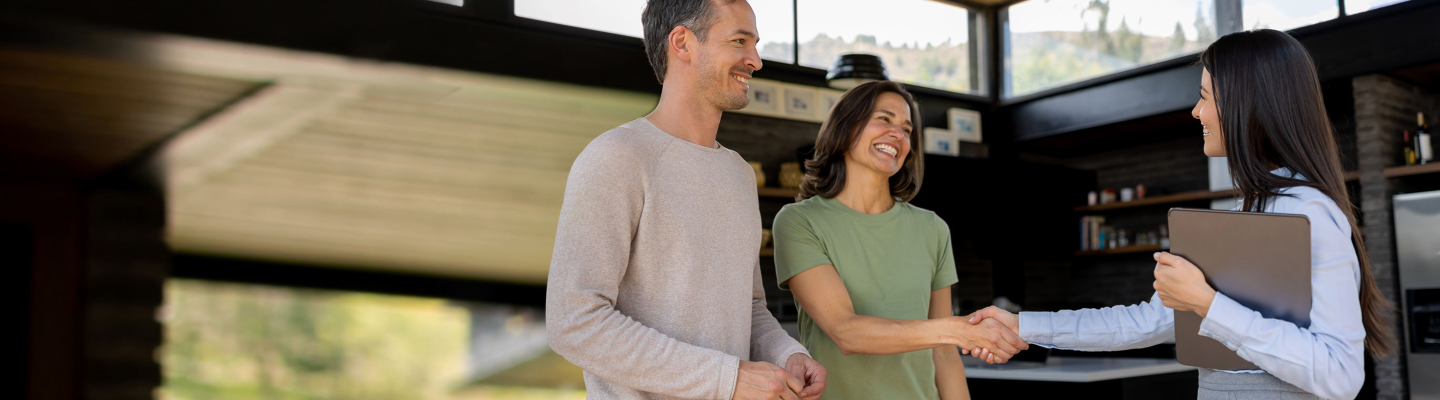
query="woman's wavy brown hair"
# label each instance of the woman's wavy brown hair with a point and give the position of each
(825, 172)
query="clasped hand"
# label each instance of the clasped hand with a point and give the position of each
(1181, 285)
(802, 379)
(1002, 323)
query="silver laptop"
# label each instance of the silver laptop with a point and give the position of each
(1260, 260)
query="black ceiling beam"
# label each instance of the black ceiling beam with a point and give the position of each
(483, 36)
(191, 266)
(1138, 97)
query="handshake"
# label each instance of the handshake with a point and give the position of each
(991, 335)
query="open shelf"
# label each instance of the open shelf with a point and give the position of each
(1142, 248)
(1166, 199)
(1209, 195)
(1412, 170)
(779, 193)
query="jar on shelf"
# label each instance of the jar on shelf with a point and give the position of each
(790, 175)
(759, 174)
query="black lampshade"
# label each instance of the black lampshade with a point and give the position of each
(851, 70)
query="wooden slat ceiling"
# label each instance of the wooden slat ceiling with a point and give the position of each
(68, 116)
(361, 164)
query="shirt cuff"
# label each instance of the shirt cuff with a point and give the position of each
(1035, 327)
(1227, 321)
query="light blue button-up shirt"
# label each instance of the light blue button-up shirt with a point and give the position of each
(1326, 358)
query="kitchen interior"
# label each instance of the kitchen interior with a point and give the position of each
(274, 199)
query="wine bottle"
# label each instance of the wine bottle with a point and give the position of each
(1423, 152)
(1407, 148)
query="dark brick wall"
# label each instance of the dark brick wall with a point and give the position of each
(1384, 106)
(126, 263)
(97, 266)
(1174, 166)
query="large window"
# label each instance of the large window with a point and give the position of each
(774, 18)
(1287, 14)
(1050, 43)
(922, 42)
(229, 341)
(1359, 6)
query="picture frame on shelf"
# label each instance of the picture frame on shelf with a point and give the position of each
(765, 98)
(965, 124)
(941, 141)
(800, 102)
(828, 100)
(795, 102)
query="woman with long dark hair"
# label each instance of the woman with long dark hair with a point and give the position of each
(1261, 108)
(871, 272)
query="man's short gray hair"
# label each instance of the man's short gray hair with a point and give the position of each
(662, 16)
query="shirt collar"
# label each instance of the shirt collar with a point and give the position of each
(1286, 172)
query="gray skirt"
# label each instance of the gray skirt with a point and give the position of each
(1217, 385)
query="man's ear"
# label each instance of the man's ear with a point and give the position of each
(681, 42)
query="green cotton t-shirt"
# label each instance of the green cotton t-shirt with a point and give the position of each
(890, 263)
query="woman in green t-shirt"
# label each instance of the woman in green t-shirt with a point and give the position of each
(871, 272)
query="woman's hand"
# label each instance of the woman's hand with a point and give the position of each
(1181, 285)
(994, 314)
(988, 339)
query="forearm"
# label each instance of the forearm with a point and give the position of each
(606, 342)
(768, 341)
(1105, 329)
(950, 374)
(1326, 359)
(863, 334)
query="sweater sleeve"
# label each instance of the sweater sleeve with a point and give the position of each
(768, 341)
(604, 197)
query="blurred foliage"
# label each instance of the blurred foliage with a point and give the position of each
(228, 341)
(944, 65)
(1043, 60)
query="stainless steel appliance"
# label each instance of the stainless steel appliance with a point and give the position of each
(1417, 243)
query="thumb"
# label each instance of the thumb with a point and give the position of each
(796, 384)
(987, 312)
(1167, 259)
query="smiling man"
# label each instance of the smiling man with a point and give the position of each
(655, 284)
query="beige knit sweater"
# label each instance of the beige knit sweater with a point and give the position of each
(655, 282)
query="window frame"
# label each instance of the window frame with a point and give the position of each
(1235, 21)
(504, 11)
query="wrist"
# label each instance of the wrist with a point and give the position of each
(792, 357)
(952, 331)
(1208, 298)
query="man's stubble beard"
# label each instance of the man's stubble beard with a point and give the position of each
(716, 89)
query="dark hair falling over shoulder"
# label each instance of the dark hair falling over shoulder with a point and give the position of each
(1272, 116)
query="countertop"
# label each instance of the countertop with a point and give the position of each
(1073, 369)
